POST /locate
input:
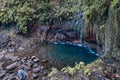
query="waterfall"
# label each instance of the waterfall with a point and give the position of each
(81, 36)
(77, 24)
(81, 25)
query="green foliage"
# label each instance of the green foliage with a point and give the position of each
(69, 70)
(54, 78)
(87, 72)
(38, 11)
(53, 72)
(79, 66)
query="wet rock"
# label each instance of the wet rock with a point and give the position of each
(71, 34)
(36, 70)
(12, 66)
(35, 76)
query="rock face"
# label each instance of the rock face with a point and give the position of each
(4, 40)
(55, 33)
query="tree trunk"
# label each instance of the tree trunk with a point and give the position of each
(47, 32)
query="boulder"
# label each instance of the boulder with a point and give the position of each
(35, 60)
(33, 57)
(2, 75)
(45, 72)
(35, 76)
(29, 63)
(36, 70)
(42, 68)
(43, 78)
(12, 66)
(35, 65)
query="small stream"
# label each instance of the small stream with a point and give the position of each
(63, 54)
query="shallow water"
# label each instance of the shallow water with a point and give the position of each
(61, 55)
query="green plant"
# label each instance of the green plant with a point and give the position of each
(79, 66)
(54, 78)
(69, 70)
(53, 72)
(87, 72)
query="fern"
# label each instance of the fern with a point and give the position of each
(53, 72)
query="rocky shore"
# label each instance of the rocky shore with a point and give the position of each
(37, 68)
(10, 65)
